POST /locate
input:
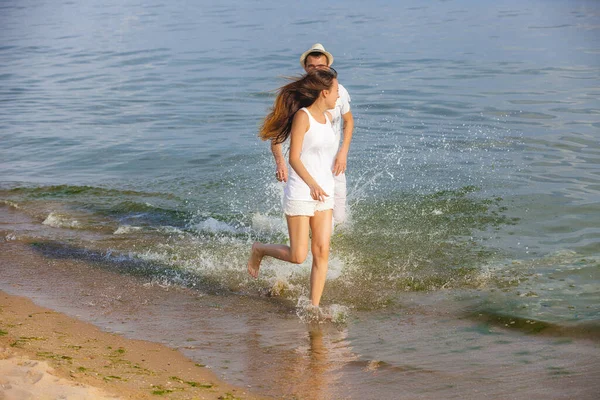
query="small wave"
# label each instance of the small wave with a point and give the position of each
(125, 229)
(10, 237)
(73, 190)
(211, 225)
(56, 220)
(530, 325)
(160, 282)
(164, 257)
(558, 289)
(10, 204)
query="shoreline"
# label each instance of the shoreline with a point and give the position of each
(47, 353)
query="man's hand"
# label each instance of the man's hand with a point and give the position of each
(281, 172)
(339, 166)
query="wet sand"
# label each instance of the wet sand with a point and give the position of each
(46, 355)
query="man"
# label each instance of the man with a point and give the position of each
(343, 124)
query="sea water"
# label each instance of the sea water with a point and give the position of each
(128, 144)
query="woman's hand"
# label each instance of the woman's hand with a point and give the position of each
(317, 193)
(281, 172)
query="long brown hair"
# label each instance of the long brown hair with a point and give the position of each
(292, 97)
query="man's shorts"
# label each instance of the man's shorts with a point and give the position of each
(306, 208)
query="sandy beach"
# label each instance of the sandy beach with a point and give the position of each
(48, 355)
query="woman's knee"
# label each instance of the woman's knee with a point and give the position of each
(320, 250)
(298, 257)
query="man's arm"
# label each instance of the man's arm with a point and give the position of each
(281, 171)
(341, 159)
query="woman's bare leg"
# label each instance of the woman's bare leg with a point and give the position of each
(320, 226)
(295, 253)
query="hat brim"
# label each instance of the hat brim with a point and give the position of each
(324, 52)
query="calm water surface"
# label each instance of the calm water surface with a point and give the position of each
(129, 163)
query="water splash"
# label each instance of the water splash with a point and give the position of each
(269, 225)
(334, 313)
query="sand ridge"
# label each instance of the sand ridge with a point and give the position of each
(22, 378)
(45, 354)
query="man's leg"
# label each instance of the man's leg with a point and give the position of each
(339, 197)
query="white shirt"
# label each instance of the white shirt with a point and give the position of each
(342, 106)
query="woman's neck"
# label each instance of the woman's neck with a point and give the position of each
(317, 108)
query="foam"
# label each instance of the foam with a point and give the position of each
(170, 230)
(212, 225)
(56, 220)
(10, 237)
(125, 229)
(11, 204)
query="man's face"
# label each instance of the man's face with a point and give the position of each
(332, 95)
(316, 62)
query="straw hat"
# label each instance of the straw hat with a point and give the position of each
(316, 48)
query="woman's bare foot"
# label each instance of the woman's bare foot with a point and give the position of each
(254, 261)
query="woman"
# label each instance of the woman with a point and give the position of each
(300, 113)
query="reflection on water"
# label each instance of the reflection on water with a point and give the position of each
(319, 375)
(310, 376)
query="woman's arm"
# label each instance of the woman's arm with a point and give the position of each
(300, 126)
